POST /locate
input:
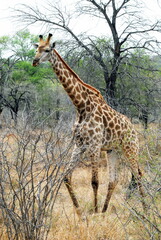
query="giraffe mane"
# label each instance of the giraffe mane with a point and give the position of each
(75, 75)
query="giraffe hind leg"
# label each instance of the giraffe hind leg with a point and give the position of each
(132, 187)
(95, 184)
(133, 160)
(113, 177)
(142, 191)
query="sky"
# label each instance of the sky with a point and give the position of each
(9, 27)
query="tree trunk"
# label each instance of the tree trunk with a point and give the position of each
(110, 80)
(111, 89)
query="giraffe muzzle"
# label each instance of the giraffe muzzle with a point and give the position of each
(35, 62)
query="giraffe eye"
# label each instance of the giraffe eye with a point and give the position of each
(47, 50)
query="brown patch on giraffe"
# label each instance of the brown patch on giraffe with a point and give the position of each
(115, 120)
(107, 116)
(91, 125)
(92, 106)
(69, 81)
(69, 89)
(111, 124)
(84, 95)
(73, 92)
(97, 113)
(66, 73)
(117, 127)
(94, 138)
(97, 119)
(97, 101)
(65, 85)
(76, 101)
(118, 133)
(80, 119)
(61, 72)
(60, 65)
(57, 71)
(88, 102)
(87, 139)
(88, 109)
(105, 121)
(71, 96)
(56, 65)
(91, 132)
(74, 81)
(82, 111)
(87, 119)
(108, 134)
(97, 130)
(113, 131)
(62, 79)
(110, 115)
(81, 105)
(77, 89)
(78, 96)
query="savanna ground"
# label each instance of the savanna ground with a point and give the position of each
(124, 219)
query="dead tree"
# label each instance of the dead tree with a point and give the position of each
(125, 26)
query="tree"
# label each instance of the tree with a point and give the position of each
(12, 91)
(13, 98)
(24, 88)
(127, 29)
(33, 166)
(138, 89)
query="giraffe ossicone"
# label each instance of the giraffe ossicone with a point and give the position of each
(98, 127)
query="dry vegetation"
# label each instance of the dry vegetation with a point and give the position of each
(28, 175)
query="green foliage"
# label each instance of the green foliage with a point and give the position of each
(21, 45)
(137, 86)
(24, 86)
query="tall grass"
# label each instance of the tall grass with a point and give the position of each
(124, 218)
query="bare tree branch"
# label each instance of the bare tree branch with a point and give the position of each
(125, 24)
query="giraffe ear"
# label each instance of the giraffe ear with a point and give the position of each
(53, 45)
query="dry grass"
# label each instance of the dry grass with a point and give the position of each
(119, 222)
(116, 224)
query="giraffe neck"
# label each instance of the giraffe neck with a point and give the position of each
(77, 90)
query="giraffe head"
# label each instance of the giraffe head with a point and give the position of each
(43, 52)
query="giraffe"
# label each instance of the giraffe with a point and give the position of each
(98, 127)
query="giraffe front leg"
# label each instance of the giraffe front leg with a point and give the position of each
(68, 184)
(113, 178)
(74, 161)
